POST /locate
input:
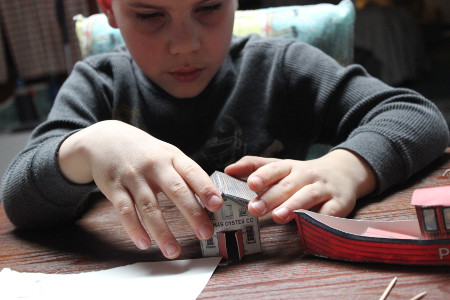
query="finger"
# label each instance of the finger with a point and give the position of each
(154, 222)
(247, 165)
(176, 189)
(335, 208)
(124, 205)
(306, 198)
(277, 193)
(268, 175)
(199, 182)
(151, 216)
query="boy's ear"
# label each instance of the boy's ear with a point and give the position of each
(106, 7)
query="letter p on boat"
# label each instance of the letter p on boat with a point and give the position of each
(443, 252)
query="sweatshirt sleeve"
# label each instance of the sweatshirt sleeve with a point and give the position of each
(396, 130)
(34, 191)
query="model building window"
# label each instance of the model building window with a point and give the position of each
(243, 212)
(250, 234)
(210, 243)
(429, 218)
(227, 212)
(446, 212)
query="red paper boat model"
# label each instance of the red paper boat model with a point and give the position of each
(425, 241)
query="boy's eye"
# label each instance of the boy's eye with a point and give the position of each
(210, 8)
(149, 16)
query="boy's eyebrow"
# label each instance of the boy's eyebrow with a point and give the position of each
(141, 5)
(137, 4)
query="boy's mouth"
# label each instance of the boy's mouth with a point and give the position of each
(186, 75)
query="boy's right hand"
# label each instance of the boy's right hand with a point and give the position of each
(131, 167)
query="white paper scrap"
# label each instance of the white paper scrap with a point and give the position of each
(177, 279)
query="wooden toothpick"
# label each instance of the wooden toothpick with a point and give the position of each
(388, 289)
(418, 296)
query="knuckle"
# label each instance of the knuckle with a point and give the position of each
(111, 175)
(128, 172)
(178, 189)
(191, 170)
(193, 210)
(171, 147)
(160, 233)
(124, 209)
(205, 189)
(171, 151)
(247, 158)
(313, 195)
(334, 208)
(151, 163)
(312, 174)
(197, 213)
(287, 185)
(150, 208)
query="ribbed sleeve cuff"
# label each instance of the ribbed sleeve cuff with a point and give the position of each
(381, 155)
(46, 173)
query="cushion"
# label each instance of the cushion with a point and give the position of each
(328, 27)
(95, 35)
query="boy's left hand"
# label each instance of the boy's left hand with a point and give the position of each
(332, 183)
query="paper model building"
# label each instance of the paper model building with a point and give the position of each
(433, 211)
(236, 232)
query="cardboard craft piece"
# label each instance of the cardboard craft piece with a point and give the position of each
(236, 232)
(412, 242)
(433, 211)
(134, 281)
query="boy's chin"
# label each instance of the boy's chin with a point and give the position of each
(185, 93)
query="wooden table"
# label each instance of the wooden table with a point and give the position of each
(98, 241)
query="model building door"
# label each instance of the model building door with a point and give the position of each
(222, 240)
(231, 244)
(240, 243)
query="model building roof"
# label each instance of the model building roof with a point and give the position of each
(432, 196)
(232, 188)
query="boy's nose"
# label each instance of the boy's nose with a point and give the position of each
(184, 38)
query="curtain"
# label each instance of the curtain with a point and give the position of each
(35, 38)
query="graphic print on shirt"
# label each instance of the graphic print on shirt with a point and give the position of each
(130, 115)
(226, 147)
(230, 145)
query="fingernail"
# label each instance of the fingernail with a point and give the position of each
(214, 202)
(171, 249)
(143, 244)
(205, 231)
(282, 213)
(259, 206)
(257, 182)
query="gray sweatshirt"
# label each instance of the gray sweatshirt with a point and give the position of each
(271, 97)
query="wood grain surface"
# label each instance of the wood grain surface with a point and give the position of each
(97, 241)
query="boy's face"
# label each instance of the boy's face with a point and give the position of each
(179, 44)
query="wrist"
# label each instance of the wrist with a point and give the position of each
(72, 160)
(357, 169)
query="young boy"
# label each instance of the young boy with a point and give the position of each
(185, 98)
